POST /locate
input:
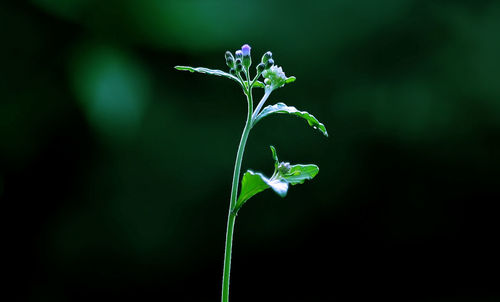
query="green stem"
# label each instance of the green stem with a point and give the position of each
(234, 191)
(267, 93)
(227, 256)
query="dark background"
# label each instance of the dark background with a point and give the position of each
(115, 169)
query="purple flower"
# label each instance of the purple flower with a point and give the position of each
(246, 50)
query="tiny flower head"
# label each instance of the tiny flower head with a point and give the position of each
(284, 167)
(247, 60)
(238, 54)
(276, 75)
(245, 49)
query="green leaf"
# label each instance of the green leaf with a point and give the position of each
(208, 71)
(278, 186)
(259, 84)
(254, 183)
(282, 108)
(300, 173)
(251, 184)
(275, 157)
(290, 80)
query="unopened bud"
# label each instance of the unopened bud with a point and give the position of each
(247, 60)
(261, 67)
(238, 54)
(239, 66)
(229, 59)
(232, 71)
(284, 168)
(268, 55)
(269, 63)
(245, 49)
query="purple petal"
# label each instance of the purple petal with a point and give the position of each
(246, 49)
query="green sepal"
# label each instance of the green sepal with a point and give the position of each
(282, 108)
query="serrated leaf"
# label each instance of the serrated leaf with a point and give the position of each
(282, 108)
(254, 183)
(300, 173)
(208, 71)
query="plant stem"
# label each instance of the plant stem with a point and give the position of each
(234, 191)
(227, 256)
(261, 103)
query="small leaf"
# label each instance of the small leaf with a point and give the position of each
(259, 84)
(254, 183)
(300, 173)
(290, 80)
(284, 109)
(208, 71)
(275, 157)
(251, 184)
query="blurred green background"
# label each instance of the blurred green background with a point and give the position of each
(115, 169)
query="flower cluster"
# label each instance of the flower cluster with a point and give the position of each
(274, 77)
(241, 61)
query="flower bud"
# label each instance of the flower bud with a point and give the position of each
(269, 63)
(239, 66)
(245, 49)
(247, 60)
(267, 81)
(268, 55)
(261, 67)
(238, 54)
(229, 59)
(232, 71)
(284, 168)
